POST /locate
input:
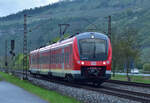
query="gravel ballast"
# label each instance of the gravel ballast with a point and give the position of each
(82, 95)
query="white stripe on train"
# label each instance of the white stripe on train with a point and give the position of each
(64, 71)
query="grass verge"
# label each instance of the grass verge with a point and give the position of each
(50, 96)
(139, 79)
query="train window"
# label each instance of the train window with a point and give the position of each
(59, 58)
(45, 60)
(92, 49)
(33, 61)
(66, 58)
(40, 60)
(50, 57)
(62, 58)
(71, 49)
(54, 58)
(31, 58)
(70, 56)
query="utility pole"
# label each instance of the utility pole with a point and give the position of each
(109, 27)
(12, 54)
(109, 35)
(6, 63)
(25, 51)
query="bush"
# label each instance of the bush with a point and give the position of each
(146, 67)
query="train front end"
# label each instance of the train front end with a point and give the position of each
(92, 56)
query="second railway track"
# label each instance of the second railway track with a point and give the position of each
(143, 85)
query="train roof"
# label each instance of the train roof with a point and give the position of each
(101, 35)
(55, 45)
(68, 41)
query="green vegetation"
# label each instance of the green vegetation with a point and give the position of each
(18, 60)
(50, 96)
(81, 15)
(0, 79)
(146, 67)
(128, 48)
(140, 79)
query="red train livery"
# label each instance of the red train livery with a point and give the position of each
(86, 56)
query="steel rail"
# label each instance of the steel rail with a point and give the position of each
(129, 83)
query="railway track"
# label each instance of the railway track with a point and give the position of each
(129, 83)
(135, 96)
(126, 94)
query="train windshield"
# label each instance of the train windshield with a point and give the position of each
(93, 49)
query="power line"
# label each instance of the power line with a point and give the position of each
(66, 26)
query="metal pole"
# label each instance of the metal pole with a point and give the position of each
(25, 51)
(6, 63)
(109, 27)
(60, 30)
(109, 35)
(12, 55)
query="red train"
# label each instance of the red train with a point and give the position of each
(86, 56)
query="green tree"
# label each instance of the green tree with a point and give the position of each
(124, 49)
(146, 67)
(130, 48)
(18, 61)
(116, 50)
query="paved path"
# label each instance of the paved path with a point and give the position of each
(10, 93)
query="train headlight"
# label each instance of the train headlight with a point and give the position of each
(92, 36)
(108, 62)
(82, 63)
(104, 62)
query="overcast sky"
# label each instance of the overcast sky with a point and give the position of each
(12, 6)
